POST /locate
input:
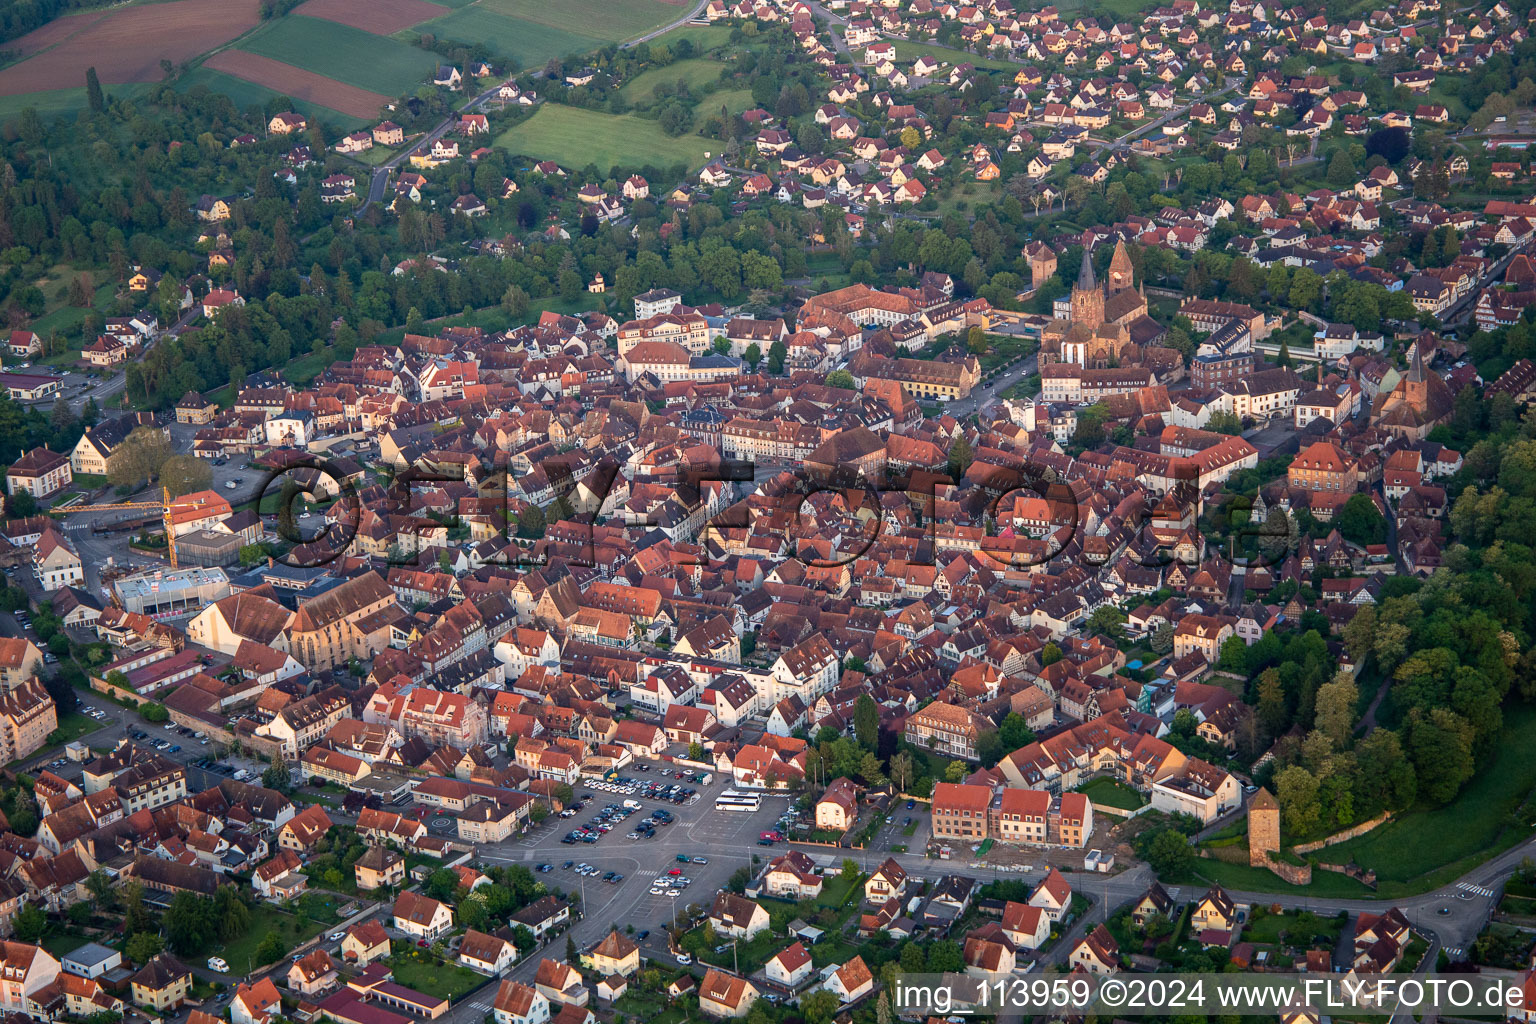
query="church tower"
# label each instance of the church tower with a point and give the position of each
(1087, 297)
(1121, 274)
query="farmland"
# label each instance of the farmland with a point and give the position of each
(245, 93)
(606, 19)
(332, 50)
(381, 17)
(575, 137)
(528, 43)
(124, 45)
(298, 83)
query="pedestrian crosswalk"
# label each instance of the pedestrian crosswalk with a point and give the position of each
(1476, 890)
(1454, 953)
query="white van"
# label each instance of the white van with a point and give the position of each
(216, 963)
(633, 805)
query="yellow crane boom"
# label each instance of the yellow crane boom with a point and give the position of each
(163, 506)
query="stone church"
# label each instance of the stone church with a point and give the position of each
(1108, 324)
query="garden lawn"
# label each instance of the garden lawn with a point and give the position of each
(72, 726)
(835, 891)
(1266, 928)
(696, 72)
(528, 43)
(241, 952)
(610, 20)
(574, 137)
(425, 973)
(1112, 793)
(733, 100)
(59, 315)
(59, 943)
(376, 63)
(1424, 849)
(907, 51)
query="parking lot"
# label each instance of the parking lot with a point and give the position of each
(716, 842)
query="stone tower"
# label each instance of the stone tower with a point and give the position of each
(1087, 297)
(1263, 828)
(1042, 264)
(1121, 274)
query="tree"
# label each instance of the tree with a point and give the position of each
(1107, 620)
(1361, 522)
(514, 302)
(753, 355)
(1050, 654)
(154, 713)
(530, 523)
(188, 923)
(1014, 732)
(911, 138)
(819, 1007)
(184, 474)
(955, 771)
(1162, 638)
(960, 456)
(976, 341)
(1335, 708)
(1170, 854)
(1341, 169)
(93, 95)
(145, 946)
(276, 776)
(29, 923)
(695, 751)
(441, 885)
(902, 770)
(270, 948)
(946, 956)
(777, 353)
(866, 721)
(139, 457)
(20, 504)
(841, 379)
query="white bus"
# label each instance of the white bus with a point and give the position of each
(731, 800)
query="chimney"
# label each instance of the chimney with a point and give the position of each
(271, 562)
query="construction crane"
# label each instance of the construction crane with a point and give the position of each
(163, 506)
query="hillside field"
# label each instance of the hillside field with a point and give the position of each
(697, 72)
(349, 55)
(528, 43)
(573, 137)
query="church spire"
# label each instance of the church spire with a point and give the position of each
(1416, 364)
(1085, 281)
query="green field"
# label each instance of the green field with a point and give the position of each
(1112, 793)
(703, 37)
(1425, 849)
(610, 20)
(528, 43)
(695, 73)
(241, 952)
(247, 94)
(573, 137)
(1325, 884)
(376, 63)
(423, 972)
(55, 102)
(909, 51)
